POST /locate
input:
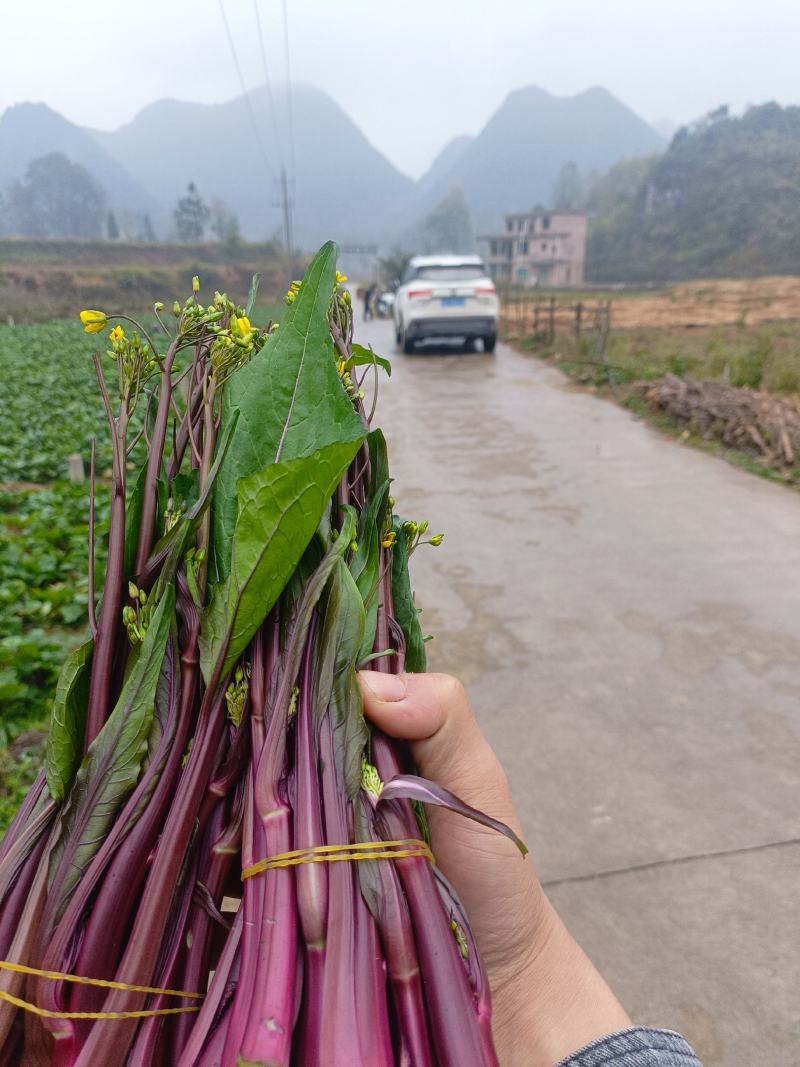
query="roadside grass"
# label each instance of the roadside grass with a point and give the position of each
(765, 358)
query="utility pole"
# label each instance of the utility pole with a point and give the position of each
(287, 214)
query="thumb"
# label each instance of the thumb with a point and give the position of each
(433, 713)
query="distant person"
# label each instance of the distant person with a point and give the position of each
(369, 295)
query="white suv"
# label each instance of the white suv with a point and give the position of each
(446, 296)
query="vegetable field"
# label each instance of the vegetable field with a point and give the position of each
(49, 408)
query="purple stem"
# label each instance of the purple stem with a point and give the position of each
(312, 878)
(399, 949)
(220, 848)
(20, 820)
(108, 1045)
(154, 457)
(219, 994)
(108, 625)
(149, 1047)
(374, 1034)
(340, 1021)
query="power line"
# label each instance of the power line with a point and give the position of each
(245, 94)
(270, 97)
(289, 104)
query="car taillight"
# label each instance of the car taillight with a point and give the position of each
(485, 290)
(414, 294)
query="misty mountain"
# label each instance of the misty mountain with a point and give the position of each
(444, 163)
(29, 131)
(514, 162)
(344, 187)
(722, 201)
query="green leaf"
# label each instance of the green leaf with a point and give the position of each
(111, 767)
(405, 610)
(289, 398)
(336, 685)
(279, 509)
(366, 562)
(365, 357)
(67, 721)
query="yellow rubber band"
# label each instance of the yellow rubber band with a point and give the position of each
(60, 976)
(362, 850)
(45, 1013)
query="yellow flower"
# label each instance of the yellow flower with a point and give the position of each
(241, 326)
(340, 278)
(94, 321)
(117, 334)
(195, 284)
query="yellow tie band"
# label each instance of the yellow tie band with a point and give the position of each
(363, 850)
(59, 976)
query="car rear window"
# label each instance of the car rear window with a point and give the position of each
(460, 273)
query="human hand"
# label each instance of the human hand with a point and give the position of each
(548, 1000)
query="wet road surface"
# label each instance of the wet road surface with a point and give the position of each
(626, 615)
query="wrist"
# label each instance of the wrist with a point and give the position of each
(554, 1004)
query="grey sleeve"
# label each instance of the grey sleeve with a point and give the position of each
(637, 1047)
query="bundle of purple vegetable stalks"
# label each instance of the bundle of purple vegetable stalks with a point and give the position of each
(207, 746)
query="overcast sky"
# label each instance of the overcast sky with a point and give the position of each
(411, 74)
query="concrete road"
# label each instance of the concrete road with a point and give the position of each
(626, 614)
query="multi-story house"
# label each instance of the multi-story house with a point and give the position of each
(538, 248)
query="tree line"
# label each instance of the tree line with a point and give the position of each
(60, 199)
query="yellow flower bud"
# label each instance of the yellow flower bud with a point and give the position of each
(158, 306)
(116, 335)
(340, 278)
(436, 540)
(195, 284)
(94, 321)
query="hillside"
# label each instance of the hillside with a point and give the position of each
(345, 188)
(723, 200)
(28, 131)
(444, 163)
(515, 160)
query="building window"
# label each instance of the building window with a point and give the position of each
(522, 274)
(509, 225)
(544, 246)
(493, 248)
(523, 248)
(546, 223)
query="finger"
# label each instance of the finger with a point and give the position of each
(433, 712)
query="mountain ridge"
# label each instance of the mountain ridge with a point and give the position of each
(345, 188)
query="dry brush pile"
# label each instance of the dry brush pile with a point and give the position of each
(762, 424)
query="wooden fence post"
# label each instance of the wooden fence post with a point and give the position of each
(578, 315)
(552, 329)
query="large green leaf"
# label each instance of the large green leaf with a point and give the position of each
(68, 721)
(289, 398)
(279, 508)
(111, 767)
(405, 610)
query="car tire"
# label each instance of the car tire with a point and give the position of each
(408, 344)
(489, 342)
(398, 335)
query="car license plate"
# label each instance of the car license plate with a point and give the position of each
(453, 301)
